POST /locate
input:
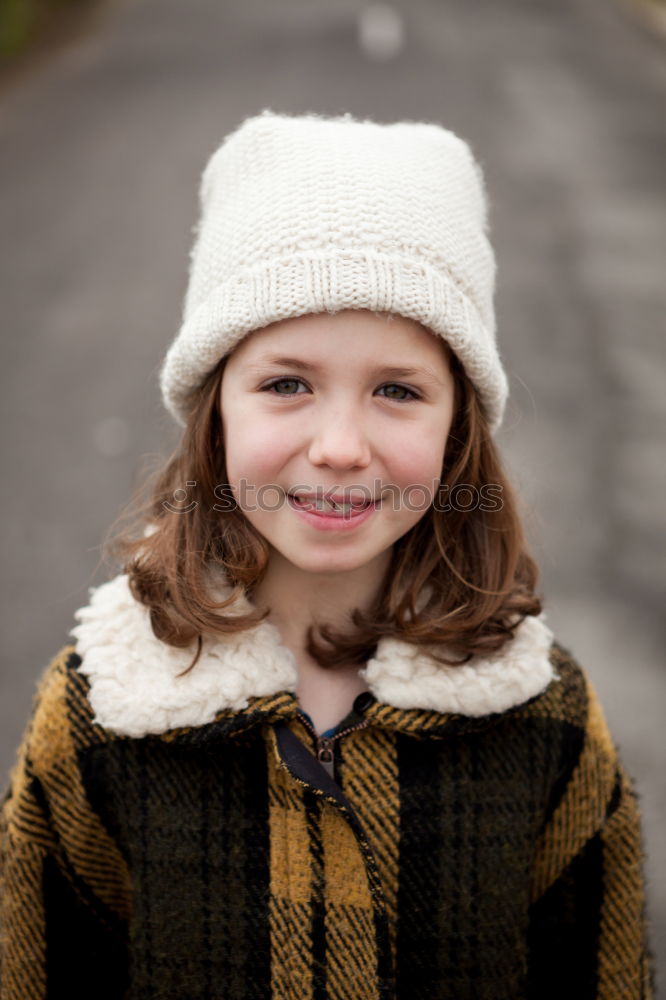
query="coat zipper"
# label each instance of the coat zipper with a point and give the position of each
(325, 745)
(292, 753)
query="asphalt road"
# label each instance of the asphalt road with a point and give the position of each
(563, 103)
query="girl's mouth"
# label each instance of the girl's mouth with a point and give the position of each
(335, 515)
(333, 508)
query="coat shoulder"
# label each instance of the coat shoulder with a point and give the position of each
(571, 709)
(61, 721)
(566, 698)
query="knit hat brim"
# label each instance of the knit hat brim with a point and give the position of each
(259, 297)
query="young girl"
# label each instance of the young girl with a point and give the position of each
(317, 740)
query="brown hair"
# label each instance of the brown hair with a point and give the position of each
(474, 561)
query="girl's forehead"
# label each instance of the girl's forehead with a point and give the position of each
(351, 335)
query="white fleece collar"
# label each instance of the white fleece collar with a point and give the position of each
(134, 689)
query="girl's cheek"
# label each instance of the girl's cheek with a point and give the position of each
(259, 449)
(418, 465)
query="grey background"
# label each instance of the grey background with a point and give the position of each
(563, 102)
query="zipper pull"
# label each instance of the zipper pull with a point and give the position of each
(325, 754)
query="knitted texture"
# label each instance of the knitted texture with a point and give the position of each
(307, 214)
(451, 858)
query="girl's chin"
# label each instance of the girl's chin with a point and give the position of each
(321, 567)
(322, 560)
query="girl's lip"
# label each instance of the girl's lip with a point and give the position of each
(333, 522)
(334, 499)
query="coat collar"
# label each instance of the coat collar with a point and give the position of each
(134, 690)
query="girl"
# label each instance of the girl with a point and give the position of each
(317, 740)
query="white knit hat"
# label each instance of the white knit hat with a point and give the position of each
(308, 214)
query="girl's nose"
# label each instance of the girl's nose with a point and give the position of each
(339, 441)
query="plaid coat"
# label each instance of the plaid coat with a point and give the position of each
(468, 833)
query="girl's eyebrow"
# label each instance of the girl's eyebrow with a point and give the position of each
(380, 371)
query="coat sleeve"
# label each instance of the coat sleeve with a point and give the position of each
(588, 935)
(64, 888)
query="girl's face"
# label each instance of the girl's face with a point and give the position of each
(349, 404)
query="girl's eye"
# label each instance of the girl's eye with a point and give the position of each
(297, 381)
(402, 388)
(282, 381)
